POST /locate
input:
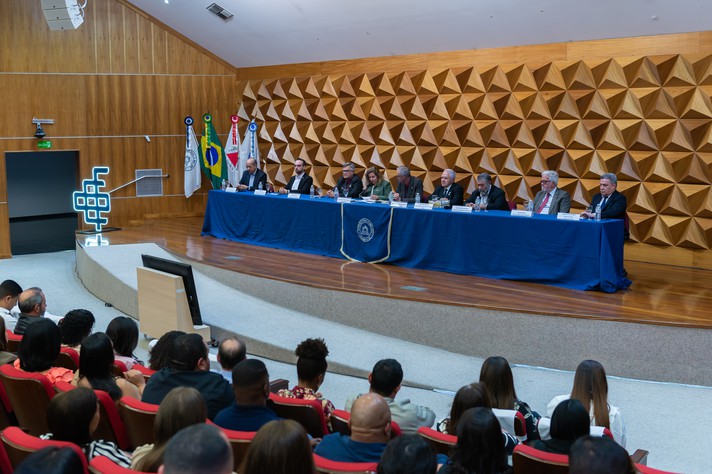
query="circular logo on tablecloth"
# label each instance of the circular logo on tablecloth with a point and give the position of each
(364, 229)
(191, 159)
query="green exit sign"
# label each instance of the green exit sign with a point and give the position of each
(44, 144)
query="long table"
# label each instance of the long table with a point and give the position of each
(583, 255)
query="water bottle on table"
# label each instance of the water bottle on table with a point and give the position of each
(417, 197)
(336, 193)
(598, 211)
(390, 197)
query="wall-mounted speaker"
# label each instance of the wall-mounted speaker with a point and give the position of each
(63, 14)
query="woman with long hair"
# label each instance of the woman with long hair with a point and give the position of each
(568, 423)
(469, 396)
(479, 448)
(96, 360)
(496, 374)
(39, 348)
(182, 407)
(279, 447)
(591, 389)
(376, 186)
(123, 332)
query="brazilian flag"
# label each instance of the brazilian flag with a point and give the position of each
(212, 154)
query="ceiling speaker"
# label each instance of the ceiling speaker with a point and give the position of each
(63, 14)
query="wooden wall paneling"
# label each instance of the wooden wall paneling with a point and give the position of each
(4, 230)
(132, 41)
(116, 46)
(145, 46)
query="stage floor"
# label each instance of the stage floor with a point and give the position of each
(660, 294)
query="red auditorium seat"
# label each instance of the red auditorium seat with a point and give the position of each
(308, 413)
(326, 466)
(18, 445)
(29, 394)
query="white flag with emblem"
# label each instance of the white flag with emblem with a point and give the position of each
(235, 158)
(249, 147)
(192, 168)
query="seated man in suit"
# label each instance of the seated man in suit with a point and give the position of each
(301, 182)
(496, 200)
(408, 186)
(551, 200)
(448, 190)
(252, 177)
(613, 203)
(349, 184)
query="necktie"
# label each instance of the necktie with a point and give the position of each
(605, 200)
(543, 204)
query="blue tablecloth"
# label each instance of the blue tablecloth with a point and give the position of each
(583, 255)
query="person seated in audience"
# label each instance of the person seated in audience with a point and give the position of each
(182, 407)
(479, 446)
(75, 326)
(231, 352)
(301, 182)
(385, 380)
(5, 356)
(568, 423)
(311, 369)
(599, 455)
(32, 305)
(74, 416)
(123, 332)
(252, 177)
(496, 199)
(190, 367)
(448, 190)
(212, 455)
(613, 204)
(370, 425)
(496, 374)
(408, 454)
(250, 382)
(280, 447)
(378, 187)
(349, 185)
(162, 351)
(408, 186)
(591, 389)
(38, 350)
(51, 460)
(96, 361)
(551, 199)
(9, 292)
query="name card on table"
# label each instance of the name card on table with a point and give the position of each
(399, 204)
(520, 213)
(465, 209)
(294, 195)
(230, 190)
(344, 199)
(260, 192)
(567, 216)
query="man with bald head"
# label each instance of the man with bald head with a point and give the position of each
(231, 352)
(370, 425)
(252, 177)
(32, 304)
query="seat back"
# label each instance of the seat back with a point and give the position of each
(443, 443)
(544, 427)
(527, 460)
(138, 418)
(340, 424)
(119, 368)
(144, 370)
(18, 445)
(111, 426)
(278, 384)
(29, 394)
(327, 466)
(7, 417)
(240, 443)
(13, 341)
(68, 358)
(104, 465)
(512, 422)
(308, 413)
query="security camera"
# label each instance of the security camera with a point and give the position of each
(39, 133)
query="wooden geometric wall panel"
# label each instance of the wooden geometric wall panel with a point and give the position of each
(647, 119)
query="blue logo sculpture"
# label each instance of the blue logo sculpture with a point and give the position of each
(92, 202)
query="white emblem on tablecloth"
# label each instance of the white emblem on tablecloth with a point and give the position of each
(364, 229)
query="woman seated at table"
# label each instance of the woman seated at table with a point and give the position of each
(377, 188)
(39, 348)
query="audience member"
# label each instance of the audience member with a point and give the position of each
(301, 182)
(591, 389)
(96, 361)
(253, 177)
(449, 190)
(9, 292)
(349, 185)
(231, 352)
(182, 407)
(377, 187)
(385, 380)
(212, 455)
(51, 460)
(190, 367)
(496, 199)
(74, 416)
(5, 356)
(469, 396)
(479, 447)
(408, 186)
(123, 332)
(162, 352)
(39, 348)
(32, 305)
(551, 199)
(311, 369)
(408, 454)
(370, 425)
(568, 423)
(250, 382)
(613, 204)
(280, 447)
(496, 374)
(599, 455)
(75, 326)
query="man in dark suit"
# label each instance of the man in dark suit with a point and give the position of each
(551, 200)
(301, 182)
(496, 200)
(613, 203)
(349, 184)
(408, 186)
(449, 190)
(252, 177)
